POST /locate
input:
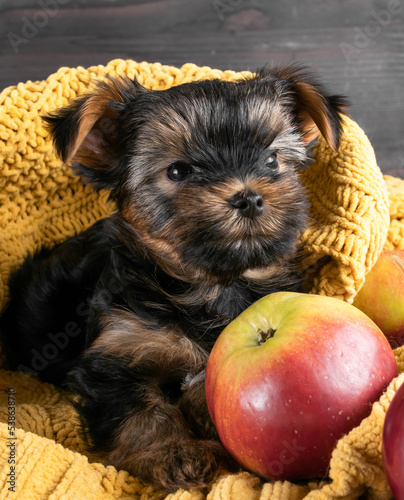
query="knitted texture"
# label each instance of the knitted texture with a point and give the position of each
(395, 234)
(349, 214)
(42, 202)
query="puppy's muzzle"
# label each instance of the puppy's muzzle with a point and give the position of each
(249, 204)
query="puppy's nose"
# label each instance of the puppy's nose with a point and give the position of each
(249, 204)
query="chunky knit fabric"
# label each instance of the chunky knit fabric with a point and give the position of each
(41, 202)
(395, 235)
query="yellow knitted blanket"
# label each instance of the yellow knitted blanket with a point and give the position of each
(41, 202)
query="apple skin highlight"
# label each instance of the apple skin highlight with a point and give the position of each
(280, 405)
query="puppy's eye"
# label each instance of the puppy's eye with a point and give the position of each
(179, 170)
(272, 161)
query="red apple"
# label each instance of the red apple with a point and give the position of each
(382, 295)
(393, 444)
(291, 375)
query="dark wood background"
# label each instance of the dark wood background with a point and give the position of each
(357, 47)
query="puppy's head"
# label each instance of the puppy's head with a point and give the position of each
(204, 174)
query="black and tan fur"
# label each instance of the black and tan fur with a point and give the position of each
(209, 208)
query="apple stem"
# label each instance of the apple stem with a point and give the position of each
(264, 336)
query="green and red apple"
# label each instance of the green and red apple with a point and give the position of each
(291, 375)
(382, 295)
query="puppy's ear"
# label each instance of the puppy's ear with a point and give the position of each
(316, 110)
(89, 130)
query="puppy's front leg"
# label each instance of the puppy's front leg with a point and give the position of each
(130, 391)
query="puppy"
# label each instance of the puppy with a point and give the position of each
(209, 208)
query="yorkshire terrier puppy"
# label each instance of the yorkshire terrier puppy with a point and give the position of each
(209, 208)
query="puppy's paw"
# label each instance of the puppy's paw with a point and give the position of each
(188, 464)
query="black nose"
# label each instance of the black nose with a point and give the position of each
(249, 204)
